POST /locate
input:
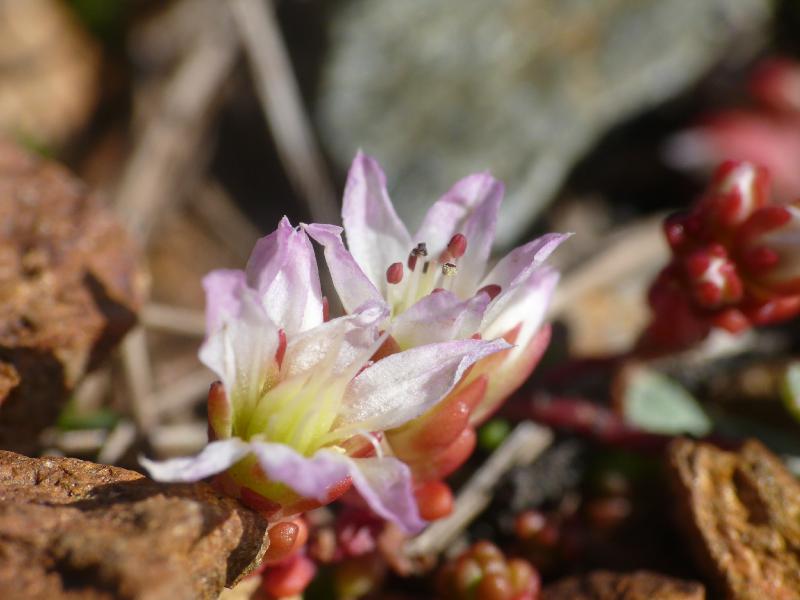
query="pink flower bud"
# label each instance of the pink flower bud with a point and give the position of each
(713, 278)
(768, 244)
(738, 189)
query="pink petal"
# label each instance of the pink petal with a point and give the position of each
(214, 458)
(375, 235)
(526, 302)
(386, 486)
(223, 288)
(439, 317)
(516, 265)
(385, 483)
(351, 283)
(479, 230)
(283, 268)
(311, 477)
(451, 213)
(402, 386)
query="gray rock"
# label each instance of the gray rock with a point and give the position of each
(437, 89)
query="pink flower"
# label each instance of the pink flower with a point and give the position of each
(436, 285)
(301, 405)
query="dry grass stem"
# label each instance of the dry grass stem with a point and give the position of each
(180, 439)
(168, 145)
(117, 443)
(225, 221)
(80, 441)
(139, 378)
(93, 390)
(174, 319)
(183, 394)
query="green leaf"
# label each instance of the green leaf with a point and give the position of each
(790, 389)
(656, 403)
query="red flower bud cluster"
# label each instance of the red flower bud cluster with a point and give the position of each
(735, 263)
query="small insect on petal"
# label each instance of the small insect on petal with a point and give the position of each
(449, 269)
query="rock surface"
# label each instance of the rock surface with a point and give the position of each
(51, 71)
(70, 286)
(73, 529)
(641, 585)
(740, 513)
(437, 89)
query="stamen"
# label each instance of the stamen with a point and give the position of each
(425, 266)
(492, 290)
(449, 271)
(421, 249)
(412, 261)
(373, 440)
(457, 245)
(281, 351)
(326, 309)
(394, 274)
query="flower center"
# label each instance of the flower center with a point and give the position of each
(422, 275)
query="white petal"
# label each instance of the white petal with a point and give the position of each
(517, 264)
(402, 386)
(213, 459)
(451, 213)
(526, 303)
(242, 354)
(351, 338)
(375, 235)
(439, 317)
(352, 284)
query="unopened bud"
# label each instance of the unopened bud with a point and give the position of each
(738, 190)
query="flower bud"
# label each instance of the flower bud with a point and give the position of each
(769, 246)
(712, 277)
(738, 189)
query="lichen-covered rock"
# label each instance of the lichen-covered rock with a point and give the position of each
(437, 89)
(641, 585)
(70, 285)
(78, 530)
(740, 513)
